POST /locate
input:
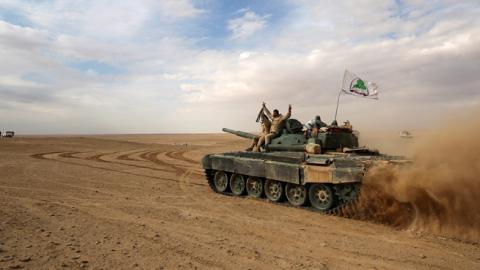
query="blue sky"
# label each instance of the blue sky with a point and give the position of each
(196, 66)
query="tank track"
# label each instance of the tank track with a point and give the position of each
(345, 209)
(210, 174)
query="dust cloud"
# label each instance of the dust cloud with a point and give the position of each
(439, 192)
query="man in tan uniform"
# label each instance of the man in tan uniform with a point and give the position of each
(265, 125)
(278, 123)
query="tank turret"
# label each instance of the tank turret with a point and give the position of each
(331, 138)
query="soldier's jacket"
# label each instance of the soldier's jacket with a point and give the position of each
(278, 122)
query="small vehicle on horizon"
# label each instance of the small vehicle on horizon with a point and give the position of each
(8, 134)
(406, 134)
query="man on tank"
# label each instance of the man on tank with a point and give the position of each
(278, 122)
(265, 124)
(312, 127)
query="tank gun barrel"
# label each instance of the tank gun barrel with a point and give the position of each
(241, 133)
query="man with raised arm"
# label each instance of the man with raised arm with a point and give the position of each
(265, 130)
(278, 122)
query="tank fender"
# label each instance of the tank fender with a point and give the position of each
(333, 171)
(284, 172)
(348, 170)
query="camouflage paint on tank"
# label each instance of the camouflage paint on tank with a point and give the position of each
(330, 176)
(291, 167)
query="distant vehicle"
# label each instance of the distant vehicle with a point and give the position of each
(405, 134)
(9, 134)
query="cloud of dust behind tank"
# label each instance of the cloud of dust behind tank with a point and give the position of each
(439, 192)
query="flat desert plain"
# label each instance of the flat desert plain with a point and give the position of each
(142, 202)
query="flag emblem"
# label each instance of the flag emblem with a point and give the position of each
(354, 85)
(358, 86)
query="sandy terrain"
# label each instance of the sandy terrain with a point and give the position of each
(142, 202)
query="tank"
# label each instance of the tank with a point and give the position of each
(324, 171)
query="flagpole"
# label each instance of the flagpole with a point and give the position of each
(338, 101)
(339, 93)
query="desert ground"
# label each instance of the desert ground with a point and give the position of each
(142, 202)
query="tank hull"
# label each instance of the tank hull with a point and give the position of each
(327, 181)
(292, 167)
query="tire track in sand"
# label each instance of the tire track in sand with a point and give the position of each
(128, 156)
(189, 173)
(153, 157)
(99, 158)
(180, 155)
(44, 156)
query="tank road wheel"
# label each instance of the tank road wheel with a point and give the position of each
(296, 194)
(237, 184)
(347, 192)
(254, 187)
(322, 197)
(220, 181)
(274, 190)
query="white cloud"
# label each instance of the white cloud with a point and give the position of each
(20, 37)
(11, 81)
(103, 19)
(179, 9)
(246, 25)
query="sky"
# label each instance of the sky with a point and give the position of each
(174, 66)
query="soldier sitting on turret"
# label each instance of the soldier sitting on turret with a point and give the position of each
(278, 123)
(265, 125)
(312, 127)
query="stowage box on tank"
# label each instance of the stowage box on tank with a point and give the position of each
(325, 171)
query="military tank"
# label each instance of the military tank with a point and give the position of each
(324, 171)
